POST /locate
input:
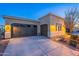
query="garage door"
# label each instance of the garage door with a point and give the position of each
(23, 30)
(44, 30)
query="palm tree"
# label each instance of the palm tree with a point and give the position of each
(71, 18)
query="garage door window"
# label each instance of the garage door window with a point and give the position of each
(35, 26)
(28, 25)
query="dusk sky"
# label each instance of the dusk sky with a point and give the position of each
(34, 11)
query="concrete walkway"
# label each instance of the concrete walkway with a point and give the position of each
(37, 46)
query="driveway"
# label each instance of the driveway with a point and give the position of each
(37, 46)
(3, 45)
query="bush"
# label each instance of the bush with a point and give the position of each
(74, 37)
(73, 43)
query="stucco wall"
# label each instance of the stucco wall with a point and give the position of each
(53, 31)
(51, 20)
(45, 20)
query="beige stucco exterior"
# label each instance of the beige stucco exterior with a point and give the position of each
(45, 20)
(9, 20)
(49, 19)
(57, 20)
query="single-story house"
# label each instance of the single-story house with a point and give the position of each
(49, 25)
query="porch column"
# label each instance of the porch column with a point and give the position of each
(38, 29)
(48, 30)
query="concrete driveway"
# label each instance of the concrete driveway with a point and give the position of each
(37, 46)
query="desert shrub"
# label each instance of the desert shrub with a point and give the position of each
(73, 43)
(74, 37)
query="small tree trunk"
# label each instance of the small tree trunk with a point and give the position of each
(71, 26)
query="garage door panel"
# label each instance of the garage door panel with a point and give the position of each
(23, 30)
(44, 29)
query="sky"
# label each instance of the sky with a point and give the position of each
(33, 10)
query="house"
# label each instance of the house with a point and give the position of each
(49, 25)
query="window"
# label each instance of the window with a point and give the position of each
(58, 27)
(28, 25)
(67, 30)
(35, 26)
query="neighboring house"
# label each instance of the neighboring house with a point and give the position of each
(49, 25)
(1, 31)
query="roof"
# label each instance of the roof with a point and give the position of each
(25, 19)
(19, 18)
(50, 14)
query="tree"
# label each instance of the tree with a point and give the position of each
(71, 17)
